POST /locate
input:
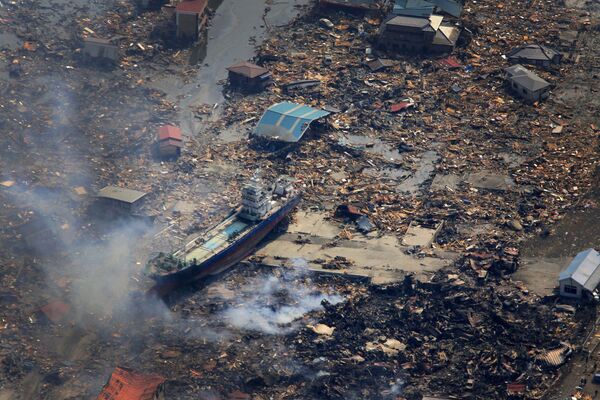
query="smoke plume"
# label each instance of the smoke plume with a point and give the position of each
(274, 304)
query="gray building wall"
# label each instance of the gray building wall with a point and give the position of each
(527, 94)
(570, 283)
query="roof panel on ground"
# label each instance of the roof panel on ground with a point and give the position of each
(121, 194)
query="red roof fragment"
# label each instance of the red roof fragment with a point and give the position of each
(449, 62)
(169, 132)
(192, 6)
(126, 384)
(56, 310)
(403, 105)
(515, 388)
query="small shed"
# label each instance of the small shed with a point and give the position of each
(581, 276)
(170, 141)
(191, 19)
(534, 54)
(249, 77)
(526, 84)
(287, 122)
(121, 199)
(100, 49)
(126, 384)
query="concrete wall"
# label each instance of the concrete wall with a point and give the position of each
(187, 26)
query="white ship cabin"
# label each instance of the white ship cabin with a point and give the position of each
(256, 202)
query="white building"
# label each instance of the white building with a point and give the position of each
(581, 276)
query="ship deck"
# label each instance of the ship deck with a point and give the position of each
(216, 240)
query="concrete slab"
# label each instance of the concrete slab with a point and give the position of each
(382, 259)
(420, 236)
(540, 275)
(445, 182)
(490, 181)
(313, 224)
(424, 171)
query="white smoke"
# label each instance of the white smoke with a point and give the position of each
(275, 304)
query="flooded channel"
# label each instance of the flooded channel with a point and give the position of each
(236, 28)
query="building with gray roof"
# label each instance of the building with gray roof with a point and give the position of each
(417, 34)
(581, 276)
(534, 54)
(120, 199)
(526, 84)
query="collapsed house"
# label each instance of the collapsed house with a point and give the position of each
(426, 8)
(102, 50)
(118, 199)
(534, 54)
(126, 384)
(287, 122)
(526, 84)
(249, 77)
(191, 19)
(417, 34)
(169, 141)
(582, 276)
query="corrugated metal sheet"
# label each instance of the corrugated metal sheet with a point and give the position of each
(287, 122)
(555, 358)
(584, 269)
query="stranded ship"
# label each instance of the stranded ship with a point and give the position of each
(228, 242)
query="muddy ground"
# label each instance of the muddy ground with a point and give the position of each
(480, 160)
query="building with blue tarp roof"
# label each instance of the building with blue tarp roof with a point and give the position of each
(287, 121)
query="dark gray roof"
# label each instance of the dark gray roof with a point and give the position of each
(525, 78)
(535, 52)
(413, 22)
(121, 194)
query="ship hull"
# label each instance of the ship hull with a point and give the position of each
(236, 252)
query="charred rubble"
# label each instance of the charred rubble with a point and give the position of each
(411, 140)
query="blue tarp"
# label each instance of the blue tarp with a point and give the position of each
(287, 122)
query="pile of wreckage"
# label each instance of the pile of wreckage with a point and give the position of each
(379, 123)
